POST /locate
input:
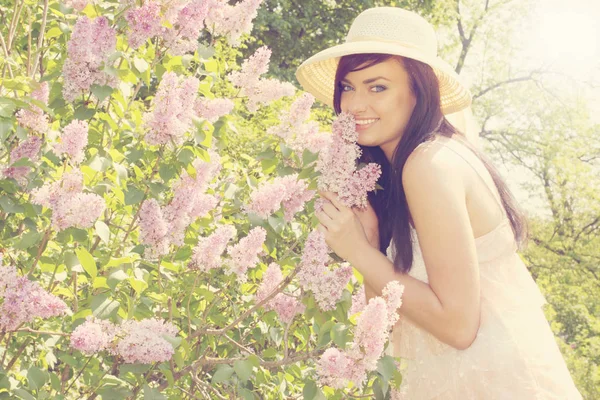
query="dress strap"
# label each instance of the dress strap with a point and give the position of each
(459, 148)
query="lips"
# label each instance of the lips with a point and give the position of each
(362, 124)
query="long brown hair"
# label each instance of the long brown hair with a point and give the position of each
(390, 204)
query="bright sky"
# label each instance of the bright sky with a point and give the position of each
(565, 35)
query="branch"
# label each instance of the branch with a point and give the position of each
(506, 82)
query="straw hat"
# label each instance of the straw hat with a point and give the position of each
(386, 30)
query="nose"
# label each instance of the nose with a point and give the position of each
(353, 103)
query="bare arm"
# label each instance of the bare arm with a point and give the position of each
(449, 306)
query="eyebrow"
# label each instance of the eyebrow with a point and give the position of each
(367, 81)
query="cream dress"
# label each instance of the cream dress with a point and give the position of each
(514, 356)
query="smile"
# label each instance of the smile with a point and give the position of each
(365, 123)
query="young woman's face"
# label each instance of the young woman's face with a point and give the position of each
(381, 101)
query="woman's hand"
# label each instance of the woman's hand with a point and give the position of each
(342, 228)
(370, 223)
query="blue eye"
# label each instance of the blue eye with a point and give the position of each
(378, 88)
(345, 88)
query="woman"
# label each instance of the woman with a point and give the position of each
(471, 322)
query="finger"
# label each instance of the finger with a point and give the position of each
(333, 198)
(330, 210)
(321, 228)
(324, 218)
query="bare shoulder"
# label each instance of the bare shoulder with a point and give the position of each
(433, 163)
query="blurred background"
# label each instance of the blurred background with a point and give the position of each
(533, 67)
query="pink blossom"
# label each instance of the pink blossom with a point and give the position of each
(34, 118)
(213, 109)
(288, 191)
(245, 253)
(286, 306)
(69, 205)
(337, 165)
(359, 301)
(173, 109)
(314, 275)
(333, 367)
(372, 331)
(182, 38)
(144, 23)
(266, 91)
(88, 49)
(300, 109)
(207, 253)
(29, 148)
(252, 68)
(93, 336)
(259, 90)
(143, 341)
(78, 5)
(73, 141)
(232, 21)
(370, 336)
(153, 229)
(22, 300)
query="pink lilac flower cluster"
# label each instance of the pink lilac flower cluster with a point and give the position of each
(34, 118)
(22, 300)
(232, 21)
(207, 253)
(78, 5)
(70, 206)
(326, 285)
(259, 90)
(244, 254)
(359, 301)
(298, 134)
(93, 336)
(286, 306)
(287, 190)
(173, 110)
(144, 23)
(29, 149)
(161, 227)
(189, 21)
(338, 367)
(178, 23)
(337, 165)
(91, 43)
(135, 341)
(213, 109)
(73, 141)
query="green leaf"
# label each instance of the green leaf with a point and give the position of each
(246, 394)
(102, 231)
(87, 262)
(152, 394)
(23, 394)
(378, 390)
(140, 64)
(53, 32)
(36, 378)
(386, 367)
(175, 341)
(27, 240)
(7, 107)
(205, 52)
(243, 369)
(83, 113)
(397, 379)
(102, 306)
(310, 390)
(222, 374)
(101, 91)
(9, 206)
(133, 195)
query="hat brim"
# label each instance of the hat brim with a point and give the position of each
(317, 74)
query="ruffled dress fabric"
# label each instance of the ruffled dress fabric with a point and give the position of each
(514, 356)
